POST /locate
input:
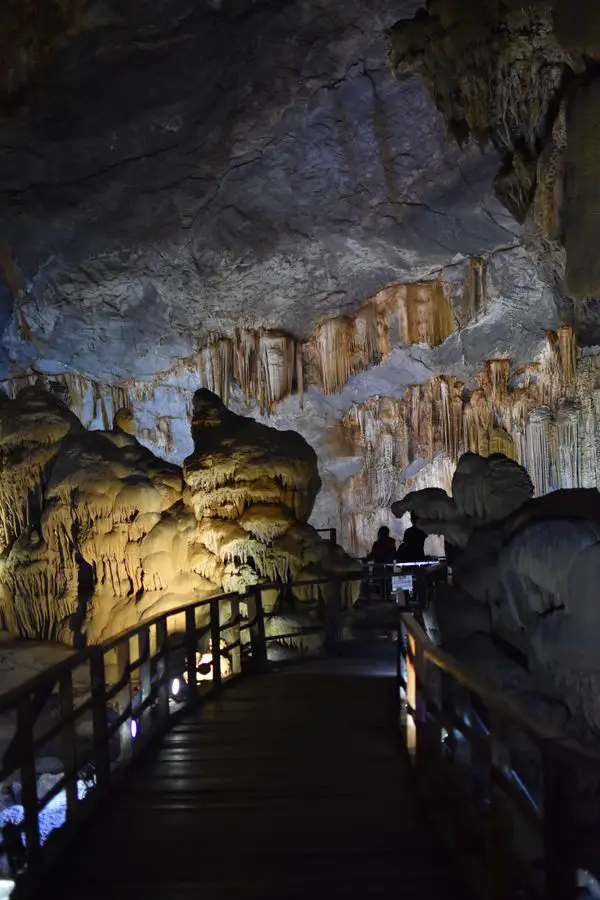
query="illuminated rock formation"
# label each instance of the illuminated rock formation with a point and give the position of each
(252, 488)
(98, 533)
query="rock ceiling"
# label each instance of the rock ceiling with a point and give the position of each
(169, 177)
(241, 196)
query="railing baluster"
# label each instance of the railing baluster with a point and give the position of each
(258, 641)
(162, 647)
(499, 831)
(69, 741)
(191, 647)
(236, 650)
(560, 828)
(215, 638)
(29, 797)
(333, 612)
(145, 671)
(123, 698)
(421, 742)
(101, 747)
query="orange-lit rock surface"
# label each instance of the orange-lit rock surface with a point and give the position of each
(97, 533)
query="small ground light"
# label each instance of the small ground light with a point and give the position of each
(6, 888)
(133, 727)
(175, 687)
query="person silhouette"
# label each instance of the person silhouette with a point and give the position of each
(382, 555)
(412, 548)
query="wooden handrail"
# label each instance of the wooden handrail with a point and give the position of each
(437, 696)
(139, 689)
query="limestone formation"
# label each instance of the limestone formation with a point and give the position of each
(532, 567)
(98, 533)
(485, 491)
(252, 488)
(523, 76)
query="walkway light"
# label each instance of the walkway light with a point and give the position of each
(6, 888)
(133, 728)
(175, 687)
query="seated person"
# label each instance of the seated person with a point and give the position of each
(412, 548)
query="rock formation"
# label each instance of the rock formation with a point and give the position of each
(97, 533)
(524, 77)
(527, 574)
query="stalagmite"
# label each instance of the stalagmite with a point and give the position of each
(249, 487)
(98, 534)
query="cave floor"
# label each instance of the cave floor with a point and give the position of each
(289, 785)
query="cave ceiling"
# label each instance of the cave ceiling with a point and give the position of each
(370, 222)
(186, 168)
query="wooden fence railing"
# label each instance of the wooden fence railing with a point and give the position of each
(501, 790)
(97, 710)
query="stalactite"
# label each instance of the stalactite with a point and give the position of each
(494, 380)
(478, 419)
(558, 365)
(331, 347)
(474, 295)
(215, 367)
(276, 361)
(299, 360)
(425, 313)
(567, 344)
(566, 446)
(501, 442)
(539, 448)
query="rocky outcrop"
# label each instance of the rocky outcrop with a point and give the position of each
(533, 565)
(252, 490)
(172, 171)
(97, 533)
(494, 70)
(523, 76)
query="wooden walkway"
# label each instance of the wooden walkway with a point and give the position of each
(290, 785)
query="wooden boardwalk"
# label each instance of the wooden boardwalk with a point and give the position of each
(289, 785)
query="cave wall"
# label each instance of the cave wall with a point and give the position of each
(98, 534)
(515, 75)
(321, 245)
(473, 359)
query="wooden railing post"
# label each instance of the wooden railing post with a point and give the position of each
(101, 749)
(333, 613)
(236, 650)
(29, 797)
(215, 639)
(69, 741)
(499, 827)
(145, 674)
(560, 829)
(422, 744)
(123, 698)
(162, 647)
(258, 640)
(191, 648)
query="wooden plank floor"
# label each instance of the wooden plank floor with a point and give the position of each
(290, 785)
